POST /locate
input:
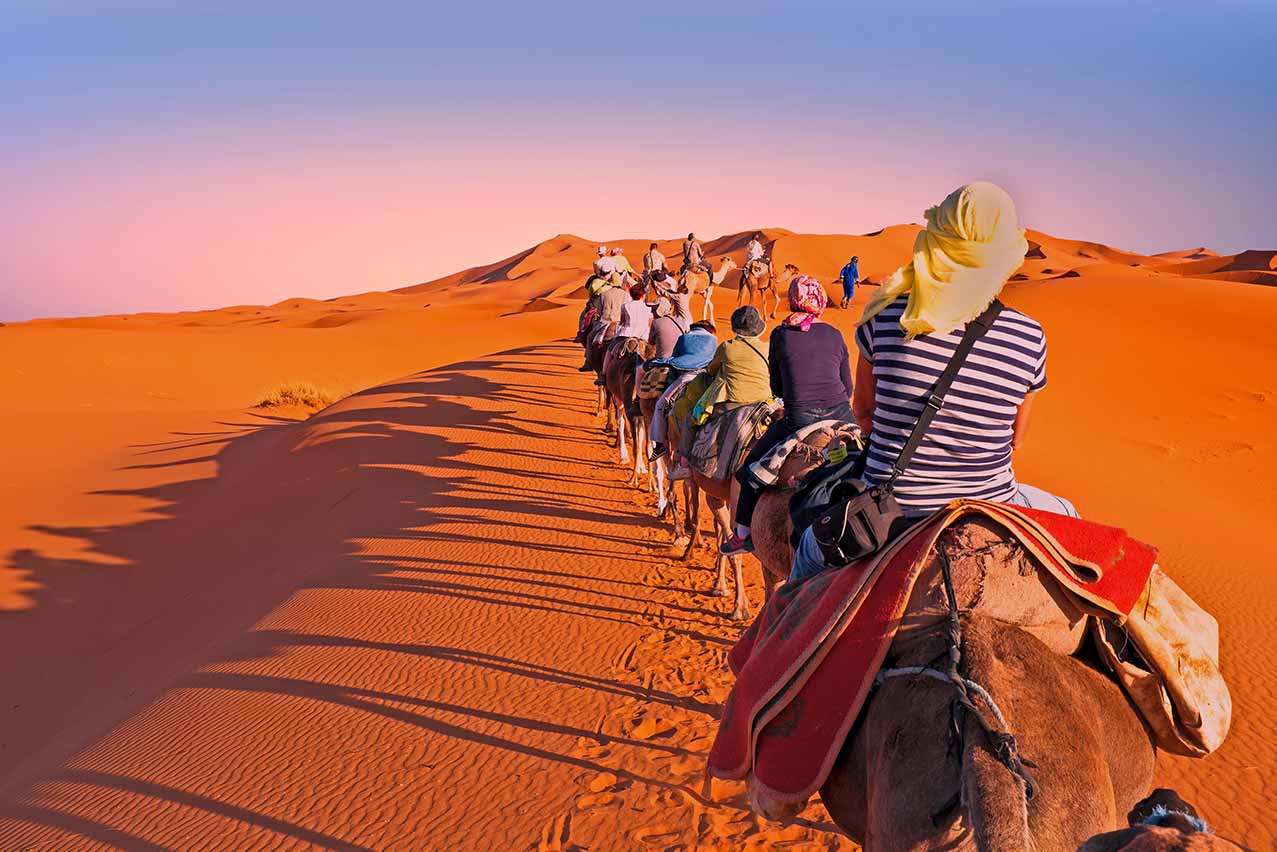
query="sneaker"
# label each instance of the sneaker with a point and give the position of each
(658, 450)
(584, 368)
(736, 545)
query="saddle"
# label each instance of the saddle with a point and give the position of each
(756, 268)
(622, 346)
(654, 383)
(600, 336)
(723, 442)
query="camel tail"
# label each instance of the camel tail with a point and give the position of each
(994, 797)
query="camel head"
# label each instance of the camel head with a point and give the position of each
(725, 267)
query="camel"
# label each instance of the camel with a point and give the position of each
(620, 383)
(666, 488)
(763, 280)
(904, 781)
(699, 282)
(899, 783)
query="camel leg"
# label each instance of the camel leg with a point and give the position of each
(663, 502)
(707, 312)
(642, 446)
(692, 520)
(623, 448)
(721, 530)
(740, 611)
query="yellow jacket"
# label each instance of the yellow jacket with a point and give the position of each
(742, 364)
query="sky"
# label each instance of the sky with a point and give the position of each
(168, 156)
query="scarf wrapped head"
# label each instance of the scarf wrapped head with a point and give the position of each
(972, 244)
(807, 300)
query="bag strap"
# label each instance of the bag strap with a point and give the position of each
(756, 352)
(975, 330)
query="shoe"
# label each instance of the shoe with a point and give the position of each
(736, 545)
(658, 450)
(600, 381)
(584, 368)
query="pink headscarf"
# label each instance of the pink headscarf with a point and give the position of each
(617, 250)
(807, 300)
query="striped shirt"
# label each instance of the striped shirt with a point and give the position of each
(966, 451)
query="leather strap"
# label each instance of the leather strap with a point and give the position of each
(975, 330)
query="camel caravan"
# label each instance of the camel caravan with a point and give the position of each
(948, 657)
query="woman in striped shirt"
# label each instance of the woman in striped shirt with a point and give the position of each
(971, 246)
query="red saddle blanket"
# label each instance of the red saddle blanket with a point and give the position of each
(805, 666)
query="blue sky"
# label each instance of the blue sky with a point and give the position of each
(1145, 125)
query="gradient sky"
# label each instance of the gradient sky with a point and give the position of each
(163, 155)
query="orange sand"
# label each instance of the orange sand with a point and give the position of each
(431, 615)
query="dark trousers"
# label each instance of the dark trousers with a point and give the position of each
(750, 488)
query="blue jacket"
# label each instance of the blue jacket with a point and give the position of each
(850, 274)
(692, 351)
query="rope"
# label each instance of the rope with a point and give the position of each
(1004, 745)
(936, 674)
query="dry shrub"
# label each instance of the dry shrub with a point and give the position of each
(300, 394)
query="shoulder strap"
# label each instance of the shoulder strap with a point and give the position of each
(756, 352)
(975, 330)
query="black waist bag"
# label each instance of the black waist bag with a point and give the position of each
(821, 488)
(862, 518)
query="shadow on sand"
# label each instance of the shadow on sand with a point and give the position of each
(288, 510)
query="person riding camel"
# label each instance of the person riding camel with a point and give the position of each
(849, 276)
(972, 244)
(754, 254)
(636, 323)
(811, 371)
(624, 271)
(652, 261)
(604, 265)
(610, 301)
(678, 294)
(692, 352)
(741, 362)
(666, 329)
(694, 257)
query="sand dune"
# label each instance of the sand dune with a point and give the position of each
(353, 630)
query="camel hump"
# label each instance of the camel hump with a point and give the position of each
(995, 577)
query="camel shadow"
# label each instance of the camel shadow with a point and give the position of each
(147, 602)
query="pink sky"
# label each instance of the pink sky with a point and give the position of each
(212, 154)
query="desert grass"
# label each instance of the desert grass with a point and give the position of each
(298, 394)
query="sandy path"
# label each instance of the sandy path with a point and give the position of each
(481, 643)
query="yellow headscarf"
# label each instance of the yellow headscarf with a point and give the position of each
(971, 246)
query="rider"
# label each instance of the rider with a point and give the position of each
(694, 256)
(908, 329)
(850, 275)
(678, 294)
(691, 353)
(811, 372)
(666, 328)
(604, 265)
(611, 300)
(636, 323)
(754, 253)
(652, 261)
(623, 268)
(742, 361)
